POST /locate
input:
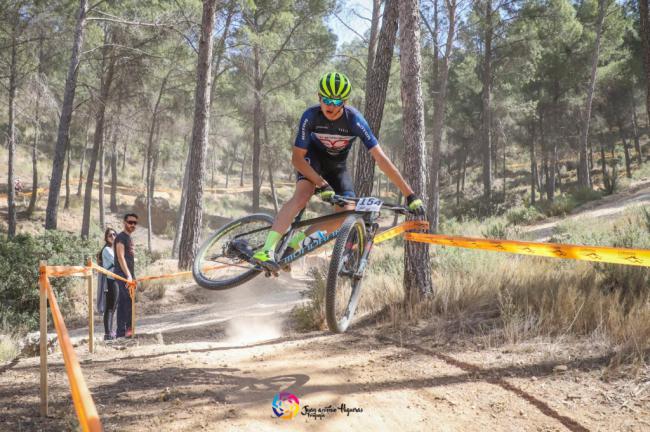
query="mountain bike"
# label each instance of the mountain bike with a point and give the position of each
(224, 259)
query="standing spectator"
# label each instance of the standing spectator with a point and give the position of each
(125, 267)
(18, 189)
(107, 288)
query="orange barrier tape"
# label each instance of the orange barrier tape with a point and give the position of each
(399, 229)
(635, 257)
(179, 274)
(111, 274)
(61, 271)
(81, 397)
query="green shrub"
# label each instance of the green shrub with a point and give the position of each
(611, 181)
(496, 230)
(560, 206)
(583, 195)
(523, 215)
(19, 260)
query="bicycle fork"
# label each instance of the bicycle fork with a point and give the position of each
(367, 248)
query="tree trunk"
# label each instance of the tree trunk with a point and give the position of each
(181, 211)
(102, 214)
(417, 271)
(221, 48)
(635, 131)
(505, 145)
(603, 165)
(126, 142)
(439, 109)
(486, 109)
(458, 176)
(376, 89)
(116, 132)
(152, 153)
(583, 166)
(193, 221)
(83, 159)
(626, 151)
(98, 140)
(151, 184)
(37, 130)
(533, 165)
(550, 180)
(462, 186)
(270, 161)
(645, 43)
(65, 120)
(257, 126)
(66, 204)
(11, 135)
(241, 174)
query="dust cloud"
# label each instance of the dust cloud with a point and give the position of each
(249, 330)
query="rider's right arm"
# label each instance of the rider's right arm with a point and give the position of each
(299, 162)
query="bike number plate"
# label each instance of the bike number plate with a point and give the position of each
(369, 204)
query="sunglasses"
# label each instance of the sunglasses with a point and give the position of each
(112, 235)
(330, 101)
(132, 222)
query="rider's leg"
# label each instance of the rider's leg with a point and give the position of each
(302, 194)
(290, 209)
(341, 181)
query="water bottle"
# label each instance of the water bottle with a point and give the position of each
(312, 238)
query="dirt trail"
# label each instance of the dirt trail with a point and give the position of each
(218, 365)
(637, 195)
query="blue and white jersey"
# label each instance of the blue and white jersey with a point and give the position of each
(333, 139)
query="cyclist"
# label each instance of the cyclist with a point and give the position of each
(325, 136)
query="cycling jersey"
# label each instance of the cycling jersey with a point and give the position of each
(328, 144)
(333, 139)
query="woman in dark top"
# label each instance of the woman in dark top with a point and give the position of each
(110, 288)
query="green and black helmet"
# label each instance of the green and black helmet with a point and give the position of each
(334, 85)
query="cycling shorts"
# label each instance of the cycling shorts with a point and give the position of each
(335, 174)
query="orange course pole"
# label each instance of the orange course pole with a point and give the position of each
(42, 285)
(91, 306)
(81, 397)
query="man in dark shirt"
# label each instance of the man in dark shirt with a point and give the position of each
(125, 267)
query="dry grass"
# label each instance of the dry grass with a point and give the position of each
(8, 347)
(507, 299)
(311, 314)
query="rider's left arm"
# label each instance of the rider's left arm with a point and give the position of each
(390, 170)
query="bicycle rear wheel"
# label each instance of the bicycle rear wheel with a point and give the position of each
(221, 261)
(343, 287)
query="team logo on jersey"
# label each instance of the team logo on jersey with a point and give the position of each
(334, 143)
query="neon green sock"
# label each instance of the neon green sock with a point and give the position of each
(294, 243)
(272, 240)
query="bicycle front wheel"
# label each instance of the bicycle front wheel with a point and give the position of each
(221, 262)
(343, 283)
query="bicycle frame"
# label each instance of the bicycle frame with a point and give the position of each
(314, 245)
(371, 227)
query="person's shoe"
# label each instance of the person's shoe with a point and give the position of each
(109, 337)
(266, 260)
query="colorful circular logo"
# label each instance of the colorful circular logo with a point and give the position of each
(286, 405)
